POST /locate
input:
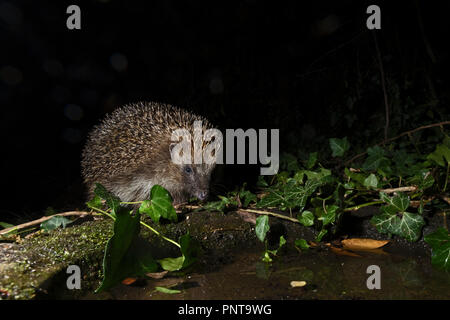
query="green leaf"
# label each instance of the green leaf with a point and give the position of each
(441, 155)
(371, 181)
(126, 228)
(159, 205)
(400, 202)
(426, 180)
(297, 196)
(306, 218)
(339, 146)
(247, 197)
(172, 264)
(274, 199)
(266, 257)
(166, 290)
(261, 183)
(384, 197)
(95, 202)
(437, 238)
(386, 222)
(289, 162)
(5, 225)
(312, 160)
(302, 244)
(190, 250)
(215, 206)
(318, 175)
(411, 226)
(146, 208)
(330, 215)
(111, 200)
(55, 222)
(262, 226)
(440, 246)
(375, 159)
(282, 242)
(321, 234)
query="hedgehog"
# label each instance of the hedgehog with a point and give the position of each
(129, 152)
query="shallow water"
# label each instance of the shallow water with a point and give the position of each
(327, 276)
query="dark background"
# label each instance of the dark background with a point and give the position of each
(309, 68)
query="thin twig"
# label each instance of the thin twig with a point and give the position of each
(400, 189)
(39, 221)
(439, 124)
(268, 213)
(383, 85)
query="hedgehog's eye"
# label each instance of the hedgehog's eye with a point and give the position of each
(188, 170)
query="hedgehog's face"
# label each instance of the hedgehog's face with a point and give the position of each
(196, 178)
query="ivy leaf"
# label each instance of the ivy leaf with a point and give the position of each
(358, 177)
(330, 215)
(247, 197)
(95, 202)
(426, 180)
(411, 226)
(321, 234)
(190, 250)
(384, 197)
(302, 244)
(441, 153)
(274, 199)
(282, 242)
(306, 218)
(375, 159)
(262, 226)
(318, 175)
(386, 222)
(339, 146)
(371, 181)
(440, 246)
(289, 162)
(126, 228)
(5, 225)
(312, 160)
(261, 182)
(166, 290)
(159, 205)
(400, 202)
(111, 200)
(172, 264)
(297, 195)
(55, 222)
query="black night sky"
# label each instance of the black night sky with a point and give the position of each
(309, 68)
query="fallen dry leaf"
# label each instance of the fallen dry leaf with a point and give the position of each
(295, 284)
(128, 281)
(363, 244)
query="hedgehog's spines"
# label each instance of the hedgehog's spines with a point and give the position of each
(129, 151)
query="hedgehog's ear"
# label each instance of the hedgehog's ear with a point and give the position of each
(172, 146)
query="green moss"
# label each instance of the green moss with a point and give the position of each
(39, 258)
(38, 264)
